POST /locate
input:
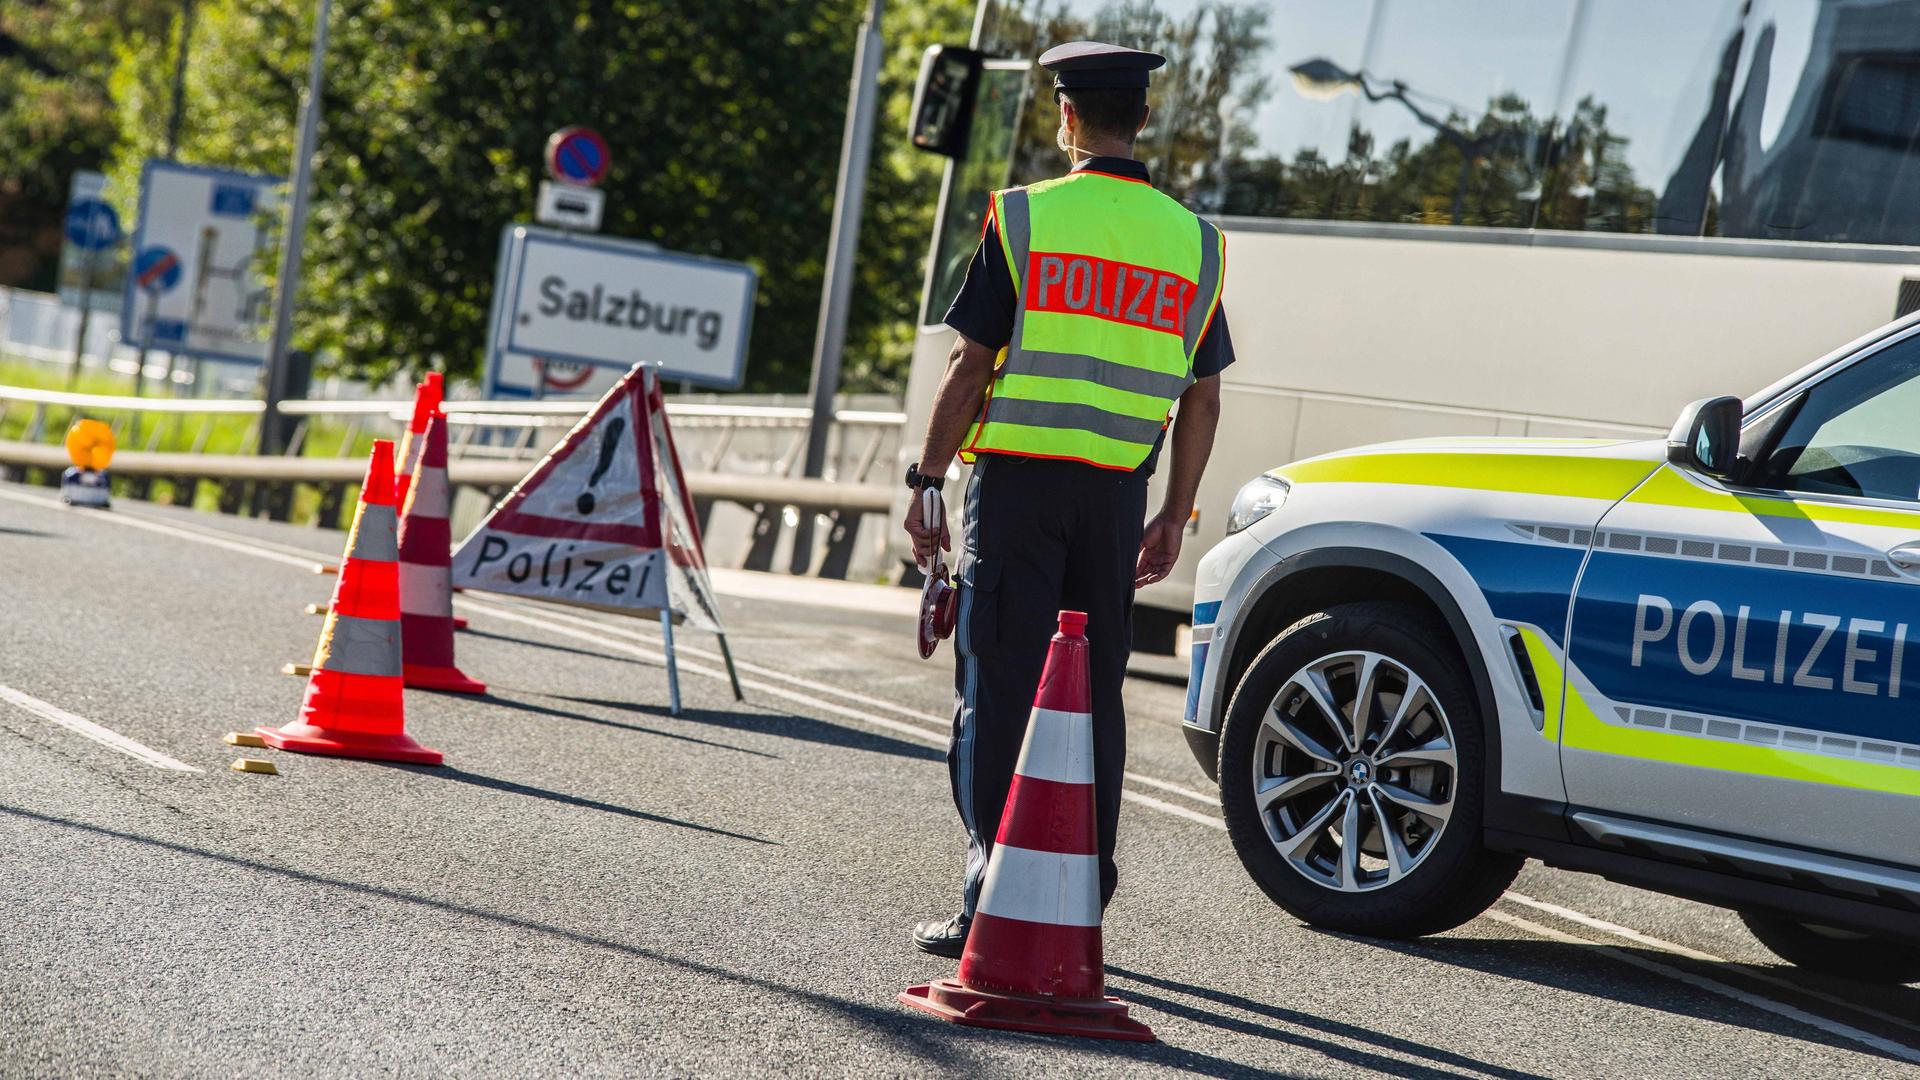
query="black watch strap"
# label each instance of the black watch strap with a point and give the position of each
(920, 481)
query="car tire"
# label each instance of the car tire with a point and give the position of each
(1320, 881)
(1831, 951)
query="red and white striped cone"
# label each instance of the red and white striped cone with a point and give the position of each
(354, 706)
(427, 398)
(426, 402)
(426, 573)
(1032, 961)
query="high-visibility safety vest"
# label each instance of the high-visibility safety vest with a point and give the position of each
(1116, 284)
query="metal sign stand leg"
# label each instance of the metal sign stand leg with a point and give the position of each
(673, 666)
(732, 675)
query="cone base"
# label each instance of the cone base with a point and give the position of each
(459, 623)
(1093, 1018)
(450, 679)
(308, 739)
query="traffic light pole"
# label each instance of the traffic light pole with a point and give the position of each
(288, 285)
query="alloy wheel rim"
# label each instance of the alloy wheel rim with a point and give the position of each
(1354, 771)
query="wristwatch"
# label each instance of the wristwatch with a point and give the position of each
(919, 481)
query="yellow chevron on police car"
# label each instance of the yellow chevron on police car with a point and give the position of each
(1689, 663)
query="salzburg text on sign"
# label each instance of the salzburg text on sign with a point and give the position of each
(632, 311)
(603, 301)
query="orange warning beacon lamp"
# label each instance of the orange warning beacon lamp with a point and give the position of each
(90, 447)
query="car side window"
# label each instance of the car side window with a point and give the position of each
(1857, 434)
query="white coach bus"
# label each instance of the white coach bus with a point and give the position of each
(1494, 217)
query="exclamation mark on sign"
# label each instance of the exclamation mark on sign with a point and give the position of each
(608, 444)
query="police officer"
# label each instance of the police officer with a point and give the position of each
(1091, 307)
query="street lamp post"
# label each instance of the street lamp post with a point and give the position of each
(289, 282)
(836, 294)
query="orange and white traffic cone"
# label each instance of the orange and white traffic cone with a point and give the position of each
(354, 705)
(427, 398)
(1032, 961)
(426, 573)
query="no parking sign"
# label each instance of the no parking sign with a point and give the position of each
(578, 155)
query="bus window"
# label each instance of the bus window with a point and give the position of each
(1823, 142)
(1643, 105)
(1458, 94)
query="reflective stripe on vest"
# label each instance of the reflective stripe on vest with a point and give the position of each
(1115, 286)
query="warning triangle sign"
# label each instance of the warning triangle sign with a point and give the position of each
(603, 521)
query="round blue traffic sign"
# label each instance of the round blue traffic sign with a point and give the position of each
(92, 225)
(156, 269)
(578, 155)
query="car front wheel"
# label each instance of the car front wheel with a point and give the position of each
(1352, 767)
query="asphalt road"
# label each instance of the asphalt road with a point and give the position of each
(593, 887)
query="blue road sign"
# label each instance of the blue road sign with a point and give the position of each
(156, 269)
(92, 225)
(233, 200)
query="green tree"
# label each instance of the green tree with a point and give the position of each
(724, 119)
(57, 114)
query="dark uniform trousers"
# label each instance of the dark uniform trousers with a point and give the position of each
(1040, 535)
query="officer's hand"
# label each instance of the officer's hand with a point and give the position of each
(925, 535)
(1159, 549)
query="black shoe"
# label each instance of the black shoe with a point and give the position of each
(946, 938)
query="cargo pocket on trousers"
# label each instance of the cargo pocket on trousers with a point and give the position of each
(977, 629)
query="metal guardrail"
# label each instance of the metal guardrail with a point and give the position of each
(774, 415)
(495, 446)
(803, 494)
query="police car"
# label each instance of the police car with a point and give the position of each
(1691, 665)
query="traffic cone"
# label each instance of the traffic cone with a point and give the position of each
(354, 706)
(426, 405)
(426, 573)
(427, 398)
(1032, 960)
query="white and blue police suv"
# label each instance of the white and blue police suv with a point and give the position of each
(1689, 665)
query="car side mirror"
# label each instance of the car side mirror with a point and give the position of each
(1706, 438)
(943, 99)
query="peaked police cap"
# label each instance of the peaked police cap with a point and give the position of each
(1096, 65)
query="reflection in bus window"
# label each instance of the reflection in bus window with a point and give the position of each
(1638, 123)
(1778, 119)
(1824, 138)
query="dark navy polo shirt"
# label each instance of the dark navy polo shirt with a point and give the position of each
(984, 310)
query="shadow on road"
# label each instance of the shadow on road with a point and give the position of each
(448, 772)
(545, 710)
(933, 1043)
(8, 530)
(784, 725)
(1433, 1057)
(615, 657)
(1562, 966)
(939, 1046)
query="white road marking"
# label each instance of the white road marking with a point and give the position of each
(1756, 974)
(554, 622)
(135, 521)
(1712, 986)
(81, 725)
